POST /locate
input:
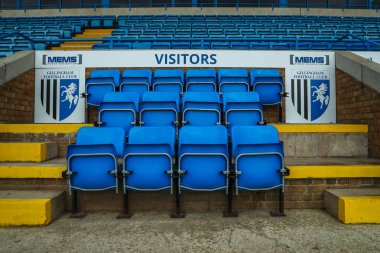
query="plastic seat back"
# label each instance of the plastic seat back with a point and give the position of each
(119, 109)
(159, 109)
(242, 109)
(99, 83)
(268, 83)
(201, 80)
(168, 80)
(137, 80)
(201, 108)
(203, 157)
(233, 80)
(148, 159)
(92, 161)
(259, 157)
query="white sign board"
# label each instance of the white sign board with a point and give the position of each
(309, 75)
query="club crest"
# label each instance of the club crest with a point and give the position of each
(59, 97)
(311, 98)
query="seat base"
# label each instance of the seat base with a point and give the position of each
(78, 215)
(177, 215)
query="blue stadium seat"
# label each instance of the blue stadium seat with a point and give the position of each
(242, 109)
(168, 80)
(201, 80)
(159, 109)
(119, 109)
(233, 80)
(136, 80)
(99, 83)
(203, 158)
(92, 162)
(148, 159)
(201, 108)
(259, 157)
(268, 83)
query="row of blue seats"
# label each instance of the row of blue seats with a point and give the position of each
(355, 46)
(249, 24)
(248, 17)
(127, 109)
(20, 47)
(268, 83)
(107, 21)
(240, 32)
(203, 161)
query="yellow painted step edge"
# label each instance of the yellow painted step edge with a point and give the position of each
(31, 171)
(282, 128)
(333, 171)
(321, 128)
(41, 128)
(21, 212)
(359, 209)
(23, 152)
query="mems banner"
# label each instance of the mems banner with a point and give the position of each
(309, 77)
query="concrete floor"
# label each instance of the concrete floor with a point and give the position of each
(253, 231)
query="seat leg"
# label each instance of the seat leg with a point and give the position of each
(177, 212)
(126, 214)
(88, 113)
(280, 113)
(74, 206)
(231, 184)
(281, 211)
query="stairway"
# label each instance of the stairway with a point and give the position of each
(21, 162)
(85, 45)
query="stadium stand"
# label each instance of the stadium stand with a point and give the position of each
(185, 131)
(237, 32)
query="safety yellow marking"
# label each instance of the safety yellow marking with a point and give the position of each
(22, 152)
(31, 171)
(20, 212)
(359, 209)
(41, 128)
(321, 128)
(333, 171)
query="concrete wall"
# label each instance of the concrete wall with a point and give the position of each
(191, 11)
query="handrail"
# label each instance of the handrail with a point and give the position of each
(296, 40)
(359, 38)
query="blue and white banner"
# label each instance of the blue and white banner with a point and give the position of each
(309, 77)
(310, 84)
(57, 96)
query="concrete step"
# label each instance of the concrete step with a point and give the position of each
(98, 30)
(30, 208)
(300, 140)
(354, 206)
(51, 169)
(27, 152)
(91, 35)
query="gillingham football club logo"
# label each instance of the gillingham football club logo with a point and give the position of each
(310, 97)
(59, 97)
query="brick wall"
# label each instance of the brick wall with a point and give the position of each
(299, 193)
(357, 103)
(17, 99)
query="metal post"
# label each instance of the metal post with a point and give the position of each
(74, 206)
(126, 214)
(281, 210)
(177, 213)
(231, 183)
